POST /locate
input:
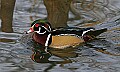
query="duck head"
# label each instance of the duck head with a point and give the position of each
(40, 27)
(41, 30)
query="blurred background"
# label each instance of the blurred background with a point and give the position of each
(101, 55)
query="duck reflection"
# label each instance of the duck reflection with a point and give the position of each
(43, 54)
(40, 56)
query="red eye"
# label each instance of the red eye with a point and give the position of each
(37, 25)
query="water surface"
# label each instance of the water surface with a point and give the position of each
(99, 55)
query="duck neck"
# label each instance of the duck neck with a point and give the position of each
(43, 39)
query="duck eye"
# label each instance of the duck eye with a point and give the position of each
(37, 25)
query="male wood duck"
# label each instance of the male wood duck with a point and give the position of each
(61, 37)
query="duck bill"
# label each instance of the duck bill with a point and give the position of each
(30, 30)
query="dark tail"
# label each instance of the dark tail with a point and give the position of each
(96, 32)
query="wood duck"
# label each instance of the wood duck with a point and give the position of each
(61, 37)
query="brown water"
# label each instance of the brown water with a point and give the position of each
(100, 55)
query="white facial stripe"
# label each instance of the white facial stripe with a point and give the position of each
(46, 28)
(48, 37)
(50, 28)
(33, 25)
(40, 32)
(39, 29)
(84, 32)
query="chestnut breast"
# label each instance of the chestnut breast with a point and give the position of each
(65, 41)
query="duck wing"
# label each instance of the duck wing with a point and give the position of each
(70, 31)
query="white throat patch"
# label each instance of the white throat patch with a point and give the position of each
(39, 32)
